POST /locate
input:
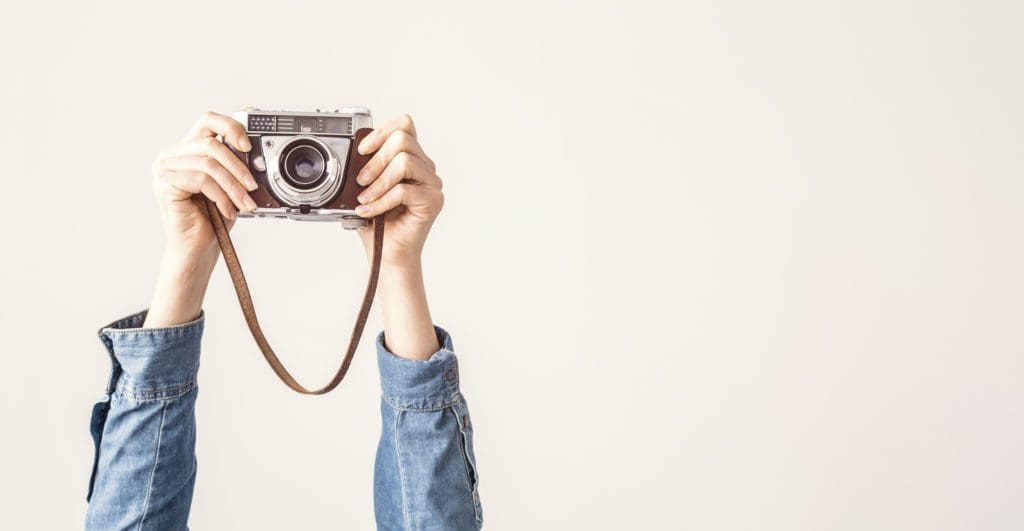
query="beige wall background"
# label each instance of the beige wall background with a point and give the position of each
(708, 265)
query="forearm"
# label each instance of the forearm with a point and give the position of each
(144, 429)
(425, 476)
(408, 327)
(180, 287)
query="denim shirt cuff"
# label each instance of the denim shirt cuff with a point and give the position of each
(426, 385)
(152, 363)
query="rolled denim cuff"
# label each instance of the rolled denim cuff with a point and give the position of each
(152, 363)
(426, 385)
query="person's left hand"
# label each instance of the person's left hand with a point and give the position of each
(402, 181)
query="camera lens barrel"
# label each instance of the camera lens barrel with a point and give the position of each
(304, 165)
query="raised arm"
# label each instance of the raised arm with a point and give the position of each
(144, 429)
(425, 475)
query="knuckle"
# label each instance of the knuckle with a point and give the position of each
(196, 180)
(403, 138)
(403, 161)
(375, 166)
(208, 164)
(405, 122)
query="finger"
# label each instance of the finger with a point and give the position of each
(404, 167)
(414, 197)
(211, 124)
(398, 142)
(211, 147)
(390, 200)
(203, 164)
(374, 140)
(194, 182)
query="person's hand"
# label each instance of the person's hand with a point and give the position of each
(200, 165)
(402, 181)
(183, 175)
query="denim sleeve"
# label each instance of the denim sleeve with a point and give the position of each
(425, 475)
(144, 428)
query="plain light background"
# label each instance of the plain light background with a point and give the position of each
(708, 265)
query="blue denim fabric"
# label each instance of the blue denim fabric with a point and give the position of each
(144, 429)
(425, 476)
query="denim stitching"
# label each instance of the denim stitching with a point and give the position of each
(401, 473)
(472, 474)
(156, 461)
(130, 392)
(176, 329)
(139, 319)
(451, 401)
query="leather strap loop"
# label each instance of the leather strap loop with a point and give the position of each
(249, 311)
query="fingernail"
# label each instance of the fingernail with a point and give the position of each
(361, 209)
(362, 177)
(363, 197)
(245, 144)
(250, 183)
(250, 204)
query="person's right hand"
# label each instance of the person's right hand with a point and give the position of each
(198, 166)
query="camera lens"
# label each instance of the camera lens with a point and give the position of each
(304, 166)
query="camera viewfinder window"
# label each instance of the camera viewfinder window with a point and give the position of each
(338, 126)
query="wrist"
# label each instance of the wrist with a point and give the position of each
(408, 327)
(180, 288)
(186, 255)
(405, 265)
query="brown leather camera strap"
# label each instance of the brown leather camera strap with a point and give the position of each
(245, 301)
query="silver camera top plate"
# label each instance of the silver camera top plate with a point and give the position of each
(338, 123)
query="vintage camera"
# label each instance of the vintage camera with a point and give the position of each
(305, 163)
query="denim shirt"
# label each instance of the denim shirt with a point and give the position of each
(425, 475)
